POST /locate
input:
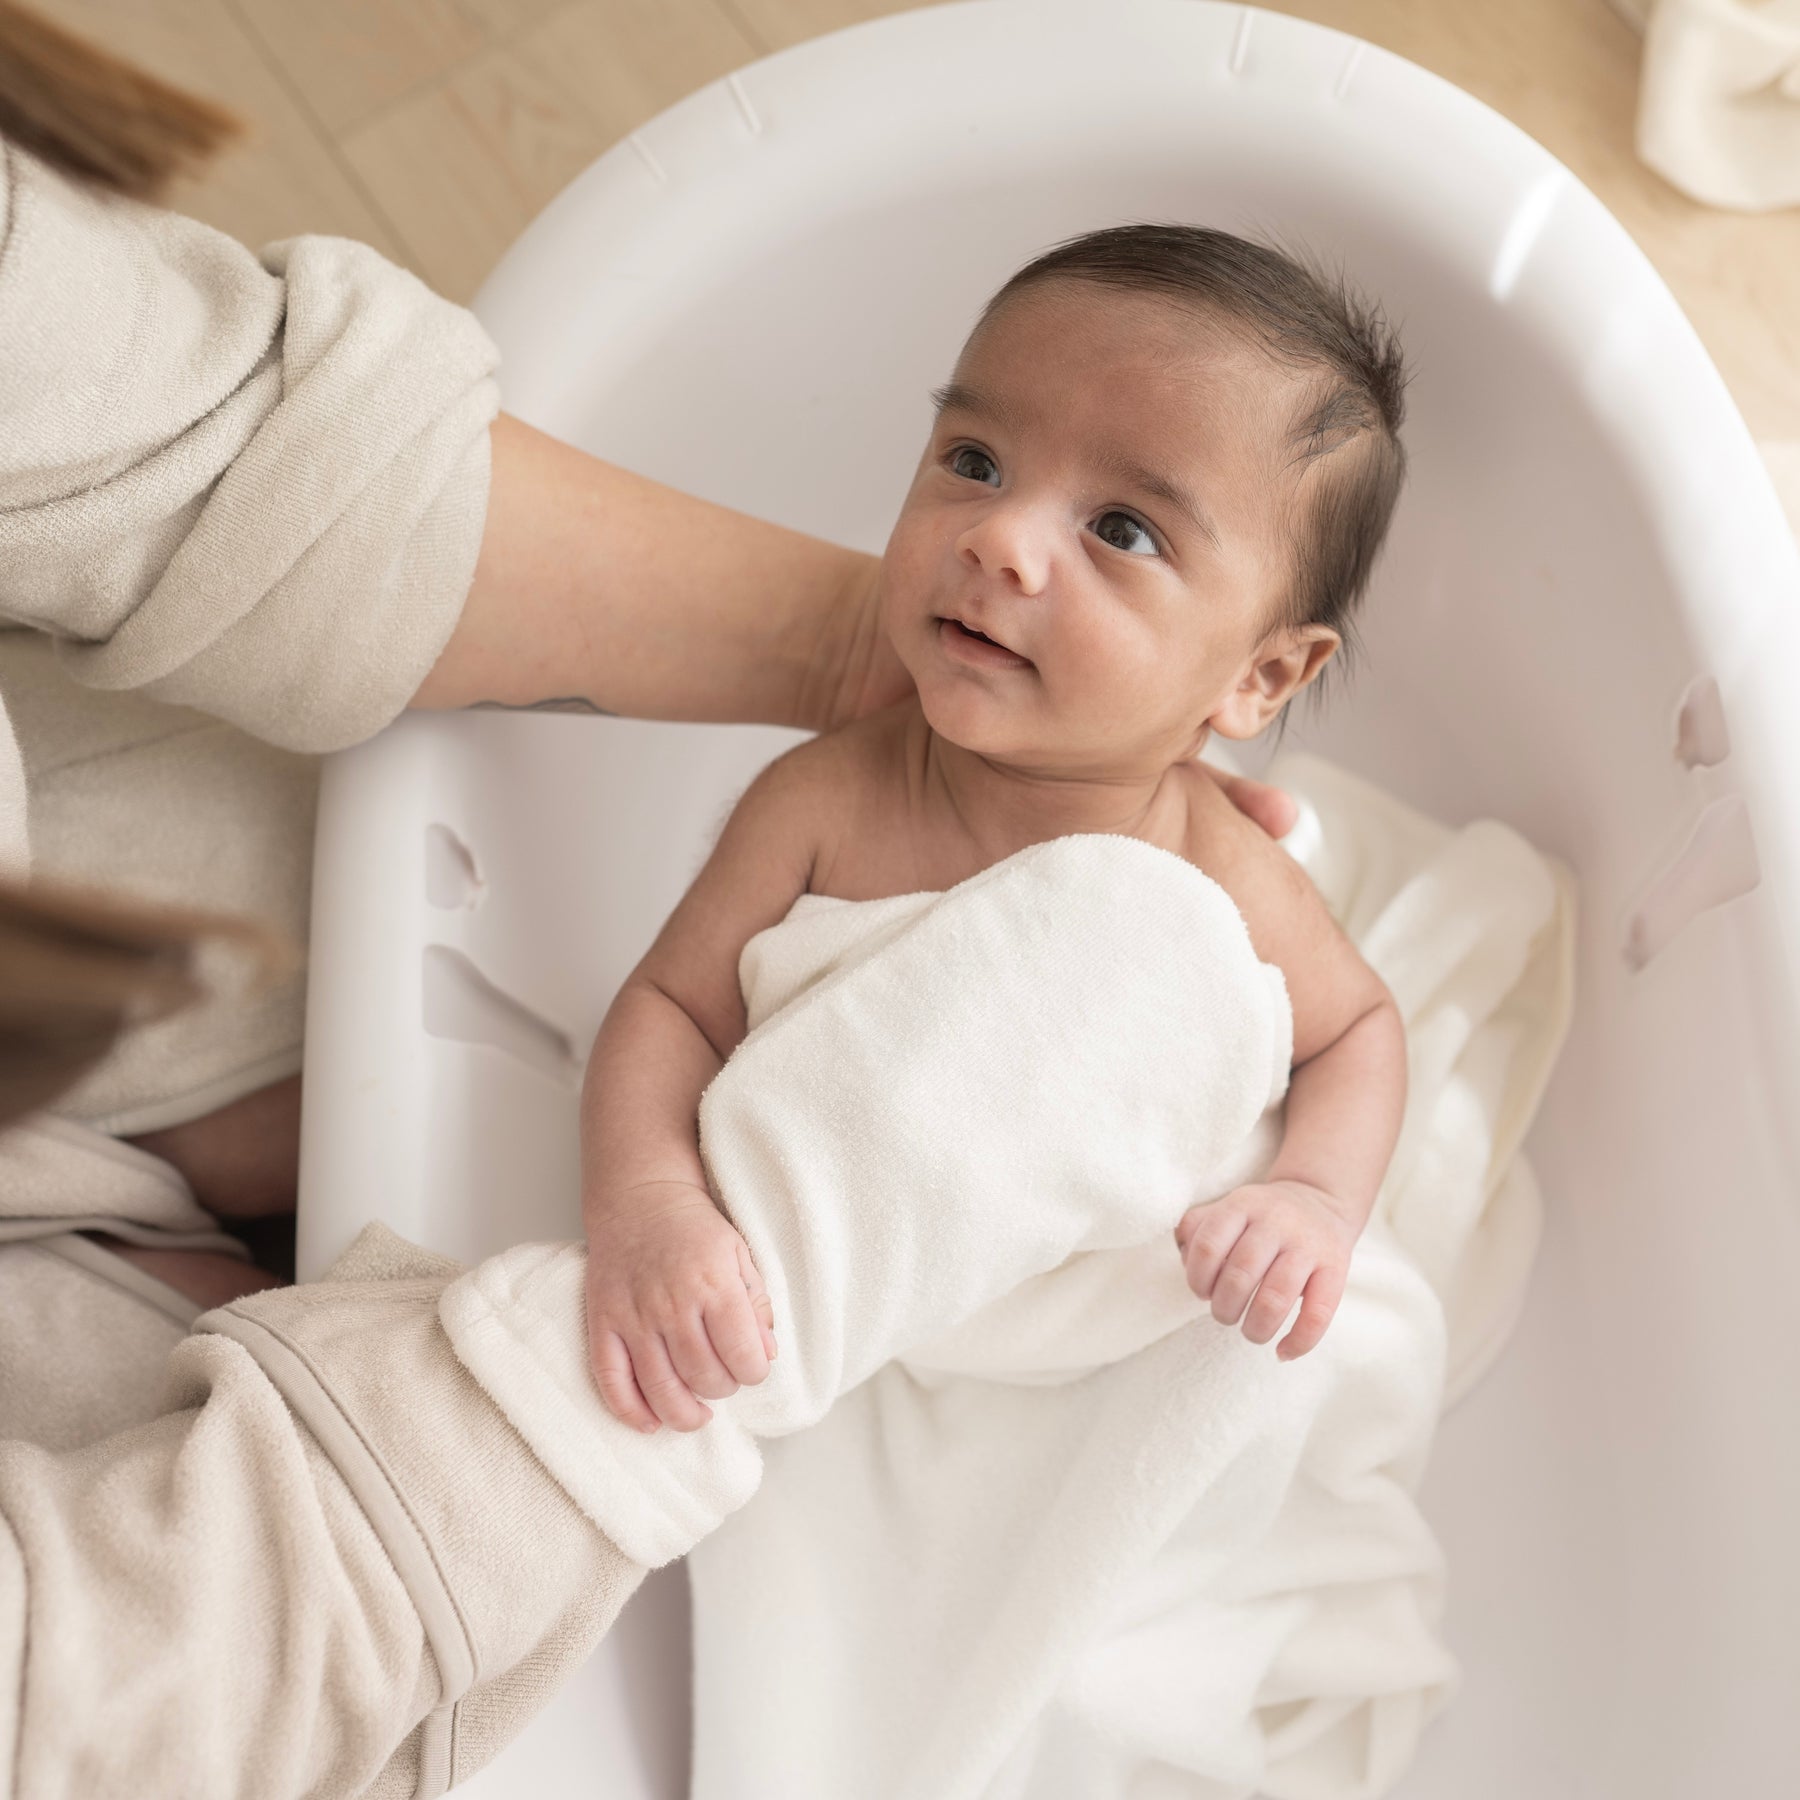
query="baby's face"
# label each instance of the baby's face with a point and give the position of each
(1103, 501)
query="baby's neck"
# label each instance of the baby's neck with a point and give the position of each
(1004, 808)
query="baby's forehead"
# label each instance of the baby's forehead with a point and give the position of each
(1066, 338)
(1157, 396)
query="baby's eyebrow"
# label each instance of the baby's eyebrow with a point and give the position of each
(958, 396)
(1162, 487)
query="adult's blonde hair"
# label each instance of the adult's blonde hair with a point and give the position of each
(77, 968)
(92, 115)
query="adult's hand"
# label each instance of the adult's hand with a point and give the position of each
(598, 590)
(1270, 807)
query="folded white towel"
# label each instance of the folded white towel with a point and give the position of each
(1056, 1057)
(1719, 102)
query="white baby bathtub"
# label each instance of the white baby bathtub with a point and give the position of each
(751, 297)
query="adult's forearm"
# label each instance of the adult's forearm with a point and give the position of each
(598, 589)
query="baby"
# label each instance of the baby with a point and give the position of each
(1155, 487)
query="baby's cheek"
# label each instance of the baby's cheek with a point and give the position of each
(1181, 664)
(1110, 665)
(905, 581)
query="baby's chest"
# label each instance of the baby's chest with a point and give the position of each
(879, 857)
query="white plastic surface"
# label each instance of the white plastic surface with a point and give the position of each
(751, 298)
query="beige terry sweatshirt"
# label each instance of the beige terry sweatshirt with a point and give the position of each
(289, 1548)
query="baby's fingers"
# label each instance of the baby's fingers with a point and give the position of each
(760, 1302)
(1323, 1292)
(1276, 1296)
(697, 1362)
(613, 1376)
(738, 1335)
(1212, 1233)
(1243, 1272)
(668, 1396)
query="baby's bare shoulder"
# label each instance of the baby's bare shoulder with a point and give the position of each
(813, 799)
(1266, 884)
(828, 771)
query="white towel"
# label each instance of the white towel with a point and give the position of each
(1719, 101)
(1057, 1056)
(1078, 1540)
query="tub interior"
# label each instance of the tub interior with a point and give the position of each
(758, 316)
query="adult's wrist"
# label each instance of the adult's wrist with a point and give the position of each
(842, 644)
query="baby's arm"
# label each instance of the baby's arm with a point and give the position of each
(676, 1311)
(1289, 1236)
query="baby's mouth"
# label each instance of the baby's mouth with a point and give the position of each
(970, 645)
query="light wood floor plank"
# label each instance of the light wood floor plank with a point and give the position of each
(504, 19)
(351, 58)
(286, 177)
(775, 24)
(469, 163)
(628, 59)
(472, 161)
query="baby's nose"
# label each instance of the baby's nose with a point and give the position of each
(1010, 544)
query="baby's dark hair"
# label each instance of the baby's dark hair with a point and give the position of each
(1348, 426)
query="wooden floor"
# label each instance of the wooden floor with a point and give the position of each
(435, 129)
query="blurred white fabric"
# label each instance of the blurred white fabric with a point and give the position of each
(1719, 100)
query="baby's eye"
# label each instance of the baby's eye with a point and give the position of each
(1123, 532)
(975, 465)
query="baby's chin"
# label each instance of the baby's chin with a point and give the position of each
(1009, 716)
(985, 725)
(981, 731)
(1031, 742)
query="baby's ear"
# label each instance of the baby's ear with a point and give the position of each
(1284, 663)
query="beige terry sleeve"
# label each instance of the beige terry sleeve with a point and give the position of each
(251, 485)
(331, 1567)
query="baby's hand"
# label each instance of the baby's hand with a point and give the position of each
(675, 1308)
(1276, 1240)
